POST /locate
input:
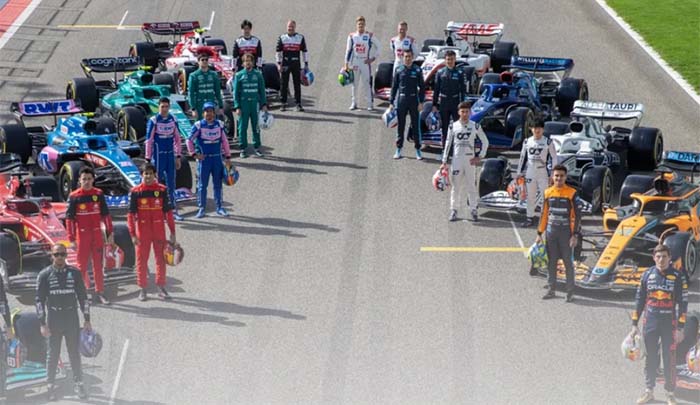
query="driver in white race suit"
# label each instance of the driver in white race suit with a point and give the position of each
(463, 134)
(534, 158)
(361, 50)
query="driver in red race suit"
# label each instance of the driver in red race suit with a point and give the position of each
(87, 211)
(661, 289)
(149, 211)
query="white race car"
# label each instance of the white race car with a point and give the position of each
(639, 148)
(478, 47)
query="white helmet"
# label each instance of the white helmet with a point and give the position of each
(390, 118)
(632, 346)
(265, 120)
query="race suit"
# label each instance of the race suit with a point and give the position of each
(657, 296)
(59, 292)
(360, 48)
(249, 96)
(149, 210)
(162, 148)
(4, 305)
(210, 139)
(202, 87)
(242, 46)
(560, 220)
(450, 89)
(86, 211)
(28, 330)
(534, 157)
(407, 91)
(398, 45)
(288, 55)
(463, 137)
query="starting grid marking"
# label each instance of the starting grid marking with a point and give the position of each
(471, 249)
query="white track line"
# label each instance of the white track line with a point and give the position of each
(115, 387)
(211, 20)
(121, 22)
(18, 22)
(517, 234)
(651, 52)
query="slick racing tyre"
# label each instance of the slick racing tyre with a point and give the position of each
(570, 90)
(14, 138)
(518, 123)
(10, 254)
(45, 186)
(168, 79)
(555, 128)
(383, 76)
(271, 76)
(217, 42)
(84, 90)
(488, 78)
(502, 54)
(427, 43)
(183, 177)
(494, 176)
(147, 51)
(183, 76)
(68, 178)
(635, 183)
(131, 124)
(683, 246)
(646, 147)
(597, 186)
(123, 239)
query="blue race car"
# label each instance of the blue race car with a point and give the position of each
(83, 139)
(534, 86)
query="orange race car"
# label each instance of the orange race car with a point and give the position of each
(662, 208)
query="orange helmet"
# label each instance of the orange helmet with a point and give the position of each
(173, 254)
(517, 189)
(631, 347)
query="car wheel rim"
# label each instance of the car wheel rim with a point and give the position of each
(690, 259)
(65, 187)
(658, 150)
(607, 188)
(181, 83)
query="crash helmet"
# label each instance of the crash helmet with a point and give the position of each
(441, 179)
(506, 77)
(307, 77)
(231, 176)
(90, 343)
(16, 354)
(113, 257)
(265, 120)
(537, 256)
(208, 105)
(390, 118)
(517, 189)
(432, 121)
(346, 77)
(173, 254)
(632, 346)
(692, 359)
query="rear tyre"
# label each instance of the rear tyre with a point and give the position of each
(183, 76)
(518, 124)
(183, 177)
(646, 148)
(570, 90)
(131, 124)
(384, 76)
(123, 239)
(502, 54)
(45, 186)
(11, 254)
(555, 128)
(84, 90)
(683, 246)
(427, 43)
(635, 183)
(14, 138)
(217, 42)
(597, 186)
(494, 175)
(488, 78)
(271, 76)
(166, 79)
(147, 51)
(68, 178)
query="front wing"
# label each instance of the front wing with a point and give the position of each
(122, 201)
(624, 277)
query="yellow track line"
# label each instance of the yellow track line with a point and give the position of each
(472, 249)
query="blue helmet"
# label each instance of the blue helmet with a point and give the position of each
(432, 121)
(390, 118)
(307, 77)
(208, 105)
(90, 343)
(230, 176)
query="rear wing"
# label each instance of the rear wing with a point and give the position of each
(466, 29)
(686, 163)
(45, 108)
(169, 28)
(541, 64)
(608, 111)
(111, 64)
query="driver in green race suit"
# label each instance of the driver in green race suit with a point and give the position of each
(248, 98)
(204, 85)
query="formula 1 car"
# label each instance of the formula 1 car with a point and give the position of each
(62, 149)
(179, 56)
(638, 148)
(31, 221)
(478, 47)
(687, 380)
(663, 209)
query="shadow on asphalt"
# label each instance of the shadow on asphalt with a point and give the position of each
(251, 164)
(203, 225)
(305, 116)
(172, 313)
(359, 113)
(232, 308)
(284, 223)
(314, 162)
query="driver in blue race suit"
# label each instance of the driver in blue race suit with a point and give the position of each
(164, 149)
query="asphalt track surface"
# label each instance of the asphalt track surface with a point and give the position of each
(315, 290)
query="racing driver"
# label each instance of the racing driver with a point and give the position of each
(536, 154)
(360, 51)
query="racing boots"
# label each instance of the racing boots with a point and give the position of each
(244, 154)
(177, 217)
(51, 393)
(299, 108)
(353, 106)
(163, 293)
(419, 155)
(200, 213)
(99, 298)
(453, 215)
(550, 294)
(80, 391)
(647, 397)
(283, 108)
(529, 221)
(671, 399)
(397, 155)
(143, 296)
(569, 296)
(222, 212)
(475, 215)
(258, 153)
